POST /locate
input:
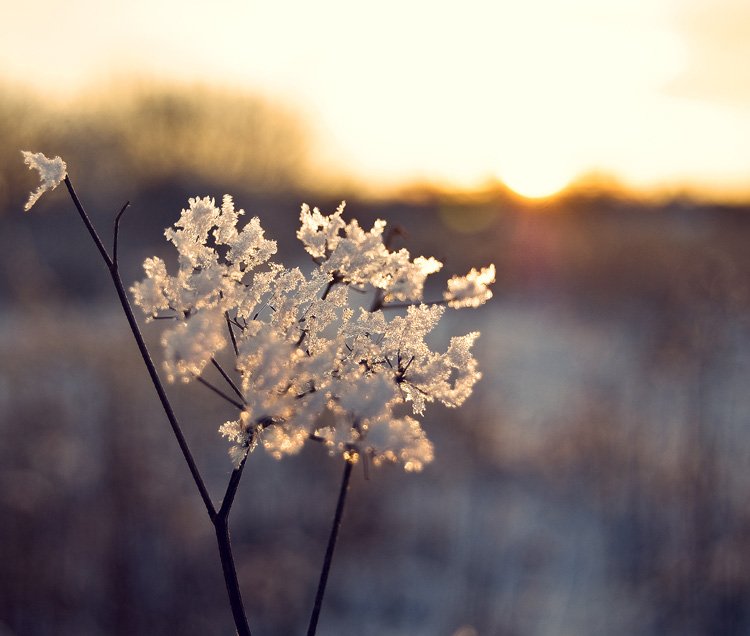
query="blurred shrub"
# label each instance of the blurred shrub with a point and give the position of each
(139, 133)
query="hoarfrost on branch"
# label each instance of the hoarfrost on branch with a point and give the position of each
(51, 172)
(310, 366)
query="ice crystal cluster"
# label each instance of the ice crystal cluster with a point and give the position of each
(51, 172)
(312, 364)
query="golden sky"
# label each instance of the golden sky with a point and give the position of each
(536, 93)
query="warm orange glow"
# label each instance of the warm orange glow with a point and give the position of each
(536, 184)
(532, 93)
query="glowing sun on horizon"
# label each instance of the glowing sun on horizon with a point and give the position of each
(535, 183)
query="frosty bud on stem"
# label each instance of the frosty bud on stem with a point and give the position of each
(51, 171)
(471, 290)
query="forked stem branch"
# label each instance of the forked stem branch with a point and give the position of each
(220, 519)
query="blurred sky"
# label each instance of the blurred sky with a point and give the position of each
(536, 92)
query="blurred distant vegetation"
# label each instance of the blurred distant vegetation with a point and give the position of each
(595, 483)
(135, 134)
(156, 145)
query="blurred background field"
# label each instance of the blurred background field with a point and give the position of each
(596, 482)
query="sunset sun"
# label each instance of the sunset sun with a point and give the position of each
(533, 171)
(535, 185)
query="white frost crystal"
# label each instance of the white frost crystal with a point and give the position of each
(347, 251)
(471, 290)
(51, 171)
(192, 343)
(310, 366)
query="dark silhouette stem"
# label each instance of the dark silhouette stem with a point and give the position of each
(231, 334)
(229, 380)
(117, 232)
(328, 288)
(87, 223)
(331, 546)
(168, 410)
(219, 520)
(230, 576)
(234, 482)
(221, 525)
(220, 393)
(122, 295)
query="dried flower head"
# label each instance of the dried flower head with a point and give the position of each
(309, 365)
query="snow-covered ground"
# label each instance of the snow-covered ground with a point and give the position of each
(593, 484)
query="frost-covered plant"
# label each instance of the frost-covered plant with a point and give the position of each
(51, 171)
(309, 363)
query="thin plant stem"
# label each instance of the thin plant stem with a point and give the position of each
(221, 526)
(328, 288)
(117, 233)
(234, 482)
(231, 334)
(220, 393)
(135, 329)
(229, 380)
(87, 223)
(330, 548)
(220, 519)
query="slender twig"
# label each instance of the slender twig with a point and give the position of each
(234, 482)
(166, 405)
(117, 233)
(231, 334)
(329, 287)
(331, 546)
(220, 521)
(336, 278)
(406, 368)
(221, 526)
(220, 393)
(301, 338)
(229, 380)
(87, 223)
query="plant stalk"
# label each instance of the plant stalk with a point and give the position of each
(220, 519)
(330, 548)
(221, 526)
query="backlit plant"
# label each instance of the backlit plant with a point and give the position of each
(310, 363)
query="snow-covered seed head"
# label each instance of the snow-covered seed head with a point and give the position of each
(309, 365)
